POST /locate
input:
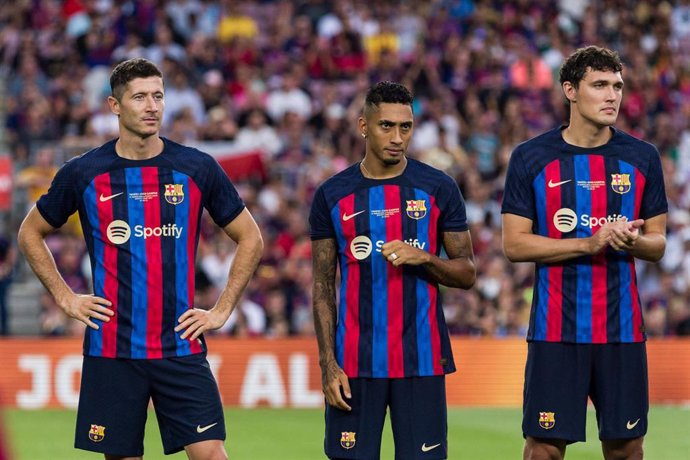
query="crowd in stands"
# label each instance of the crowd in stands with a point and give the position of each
(287, 78)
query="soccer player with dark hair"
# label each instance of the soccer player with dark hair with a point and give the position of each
(384, 222)
(583, 201)
(140, 200)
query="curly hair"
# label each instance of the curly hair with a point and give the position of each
(592, 57)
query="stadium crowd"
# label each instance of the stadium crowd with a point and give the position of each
(286, 78)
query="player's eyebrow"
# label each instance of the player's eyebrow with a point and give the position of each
(603, 81)
(394, 123)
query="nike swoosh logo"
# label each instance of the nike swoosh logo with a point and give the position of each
(553, 184)
(201, 429)
(347, 217)
(426, 448)
(630, 426)
(104, 198)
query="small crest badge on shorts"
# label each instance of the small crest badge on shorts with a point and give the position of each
(347, 439)
(174, 193)
(547, 420)
(97, 433)
(620, 183)
(416, 209)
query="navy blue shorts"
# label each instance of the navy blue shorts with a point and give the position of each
(559, 377)
(418, 418)
(114, 400)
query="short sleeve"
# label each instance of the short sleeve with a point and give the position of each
(61, 200)
(452, 207)
(320, 224)
(518, 196)
(223, 203)
(654, 200)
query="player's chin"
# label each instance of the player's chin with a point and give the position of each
(148, 131)
(608, 119)
(392, 161)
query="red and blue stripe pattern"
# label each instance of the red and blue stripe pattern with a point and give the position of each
(390, 323)
(147, 292)
(591, 299)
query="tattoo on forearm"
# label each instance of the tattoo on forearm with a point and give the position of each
(325, 313)
(459, 268)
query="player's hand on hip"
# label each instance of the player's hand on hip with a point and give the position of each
(86, 308)
(398, 253)
(196, 321)
(336, 385)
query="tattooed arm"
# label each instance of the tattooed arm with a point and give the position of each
(325, 316)
(456, 271)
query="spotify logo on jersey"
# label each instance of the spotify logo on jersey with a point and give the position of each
(565, 220)
(361, 247)
(119, 232)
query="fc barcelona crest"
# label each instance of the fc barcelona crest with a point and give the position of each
(97, 433)
(416, 209)
(174, 193)
(620, 183)
(347, 439)
(547, 420)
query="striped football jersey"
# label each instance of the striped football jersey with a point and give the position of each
(390, 319)
(141, 225)
(570, 192)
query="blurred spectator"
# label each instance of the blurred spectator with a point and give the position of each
(247, 320)
(181, 95)
(29, 75)
(348, 54)
(277, 325)
(216, 261)
(183, 14)
(103, 124)
(384, 40)
(530, 71)
(257, 134)
(220, 126)
(130, 49)
(164, 47)
(36, 177)
(288, 98)
(8, 259)
(183, 128)
(234, 23)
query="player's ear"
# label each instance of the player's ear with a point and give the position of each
(114, 105)
(570, 91)
(362, 125)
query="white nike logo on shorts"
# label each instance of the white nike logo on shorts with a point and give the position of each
(630, 426)
(426, 448)
(201, 429)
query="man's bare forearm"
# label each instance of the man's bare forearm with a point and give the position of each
(32, 244)
(250, 245)
(649, 247)
(243, 267)
(325, 311)
(458, 270)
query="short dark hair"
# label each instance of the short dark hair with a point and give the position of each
(127, 71)
(387, 92)
(592, 57)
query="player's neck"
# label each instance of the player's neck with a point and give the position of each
(586, 135)
(376, 170)
(137, 148)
